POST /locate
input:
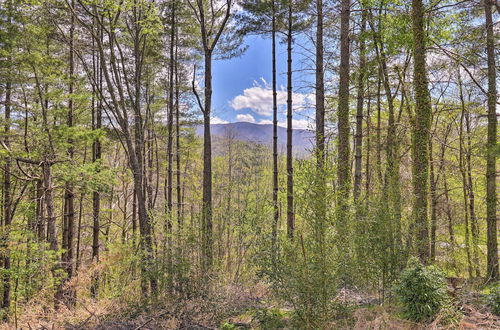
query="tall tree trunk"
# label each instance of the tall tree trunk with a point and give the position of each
(178, 138)
(462, 166)
(275, 129)
(491, 192)
(207, 166)
(470, 188)
(343, 167)
(320, 88)
(359, 108)
(420, 133)
(378, 139)
(170, 123)
(69, 197)
(96, 157)
(433, 188)
(136, 159)
(290, 216)
(7, 204)
(368, 169)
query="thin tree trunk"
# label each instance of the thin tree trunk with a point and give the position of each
(464, 184)
(49, 205)
(470, 188)
(7, 204)
(433, 188)
(275, 129)
(378, 139)
(320, 88)
(96, 157)
(359, 108)
(207, 166)
(170, 123)
(178, 139)
(290, 216)
(491, 192)
(368, 143)
(69, 197)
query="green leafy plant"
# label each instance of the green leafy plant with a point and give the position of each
(270, 318)
(227, 326)
(494, 299)
(422, 291)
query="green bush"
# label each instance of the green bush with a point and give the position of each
(494, 299)
(270, 318)
(422, 291)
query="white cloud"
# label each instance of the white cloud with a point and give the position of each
(259, 99)
(265, 122)
(217, 120)
(297, 124)
(246, 118)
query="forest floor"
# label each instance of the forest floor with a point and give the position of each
(236, 307)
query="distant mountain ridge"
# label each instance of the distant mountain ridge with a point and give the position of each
(303, 140)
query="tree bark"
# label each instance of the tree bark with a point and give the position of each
(320, 88)
(170, 123)
(420, 133)
(491, 192)
(472, 208)
(275, 129)
(290, 216)
(7, 204)
(359, 108)
(343, 167)
(207, 166)
(69, 197)
(96, 157)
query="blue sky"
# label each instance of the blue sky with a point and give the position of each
(241, 86)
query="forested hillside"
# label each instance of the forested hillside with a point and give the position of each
(127, 203)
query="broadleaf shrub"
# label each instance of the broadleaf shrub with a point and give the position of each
(494, 299)
(422, 291)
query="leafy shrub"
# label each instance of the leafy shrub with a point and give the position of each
(303, 272)
(494, 299)
(422, 291)
(270, 318)
(227, 326)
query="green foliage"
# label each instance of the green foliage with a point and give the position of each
(227, 326)
(494, 299)
(270, 318)
(422, 291)
(303, 271)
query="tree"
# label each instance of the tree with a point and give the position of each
(212, 24)
(343, 167)
(421, 127)
(359, 106)
(491, 193)
(123, 79)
